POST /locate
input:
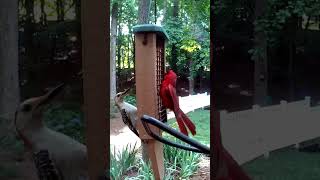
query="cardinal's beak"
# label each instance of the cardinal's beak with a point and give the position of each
(45, 99)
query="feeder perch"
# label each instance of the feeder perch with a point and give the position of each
(149, 70)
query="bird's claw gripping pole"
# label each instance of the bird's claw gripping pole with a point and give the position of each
(195, 145)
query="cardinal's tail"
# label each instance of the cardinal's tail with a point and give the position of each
(188, 122)
(181, 124)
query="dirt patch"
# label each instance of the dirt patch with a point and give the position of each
(204, 170)
(116, 125)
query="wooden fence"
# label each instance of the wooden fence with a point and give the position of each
(258, 131)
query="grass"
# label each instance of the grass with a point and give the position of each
(201, 119)
(285, 164)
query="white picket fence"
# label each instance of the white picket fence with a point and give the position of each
(251, 133)
(191, 103)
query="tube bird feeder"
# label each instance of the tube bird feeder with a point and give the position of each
(149, 71)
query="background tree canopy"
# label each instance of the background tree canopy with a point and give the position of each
(187, 24)
(281, 37)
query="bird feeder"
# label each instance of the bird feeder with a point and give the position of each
(149, 71)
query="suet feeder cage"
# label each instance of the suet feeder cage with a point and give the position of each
(150, 69)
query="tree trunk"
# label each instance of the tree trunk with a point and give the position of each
(291, 75)
(174, 51)
(191, 84)
(60, 10)
(113, 41)
(308, 23)
(129, 52)
(133, 53)
(144, 11)
(78, 9)
(119, 56)
(28, 37)
(191, 77)
(164, 12)
(43, 18)
(29, 5)
(292, 29)
(9, 62)
(261, 61)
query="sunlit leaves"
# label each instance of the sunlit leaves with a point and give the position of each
(190, 35)
(190, 46)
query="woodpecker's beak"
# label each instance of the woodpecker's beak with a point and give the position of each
(45, 99)
(126, 92)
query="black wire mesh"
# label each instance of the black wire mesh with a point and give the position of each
(160, 74)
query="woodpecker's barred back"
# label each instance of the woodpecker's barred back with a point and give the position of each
(45, 167)
(127, 121)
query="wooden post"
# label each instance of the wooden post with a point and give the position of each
(96, 84)
(146, 37)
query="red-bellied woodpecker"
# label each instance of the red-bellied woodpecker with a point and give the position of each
(127, 110)
(68, 155)
(129, 116)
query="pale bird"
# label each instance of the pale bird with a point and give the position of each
(69, 156)
(130, 110)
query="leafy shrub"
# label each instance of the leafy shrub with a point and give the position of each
(179, 164)
(131, 100)
(121, 162)
(8, 139)
(67, 119)
(185, 162)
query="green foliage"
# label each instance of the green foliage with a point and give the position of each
(179, 164)
(192, 42)
(8, 139)
(67, 119)
(121, 162)
(145, 172)
(285, 164)
(280, 15)
(185, 162)
(11, 143)
(201, 119)
(131, 100)
(189, 33)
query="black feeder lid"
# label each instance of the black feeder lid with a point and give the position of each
(151, 28)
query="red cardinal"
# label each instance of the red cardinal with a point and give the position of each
(170, 100)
